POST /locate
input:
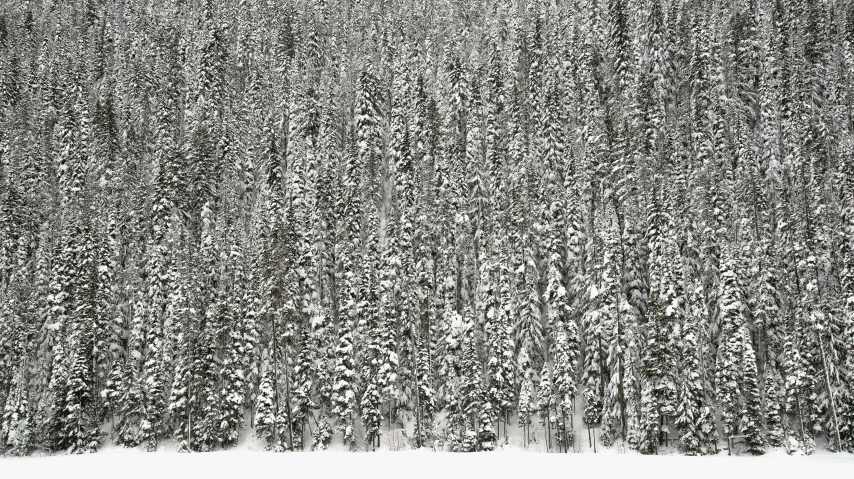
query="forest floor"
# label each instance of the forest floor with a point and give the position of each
(248, 460)
(396, 459)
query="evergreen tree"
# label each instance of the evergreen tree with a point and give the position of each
(358, 218)
(343, 394)
(729, 360)
(16, 427)
(527, 403)
(545, 404)
(266, 413)
(773, 408)
(751, 418)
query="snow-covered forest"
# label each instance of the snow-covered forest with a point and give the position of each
(315, 222)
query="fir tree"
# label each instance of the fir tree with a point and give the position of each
(751, 418)
(545, 403)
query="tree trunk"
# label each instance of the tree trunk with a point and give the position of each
(548, 434)
(830, 392)
(418, 443)
(288, 403)
(275, 383)
(621, 391)
(565, 443)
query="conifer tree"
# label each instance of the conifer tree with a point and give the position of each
(298, 222)
(729, 360)
(751, 418)
(773, 408)
(266, 414)
(500, 370)
(545, 404)
(16, 427)
(565, 365)
(343, 393)
(527, 403)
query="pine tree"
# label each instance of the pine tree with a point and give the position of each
(267, 217)
(322, 435)
(565, 365)
(527, 403)
(798, 387)
(773, 408)
(303, 404)
(426, 395)
(695, 432)
(369, 325)
(545, 403)
(266, 414)
(179, 406)
(16, 434)
(847, 408)
(499, 369)
(233, 376)
(471, 394)
(343, 395)
(730, 352)
(594, 361)
(77, 426)
(620, 412)
(751, 419)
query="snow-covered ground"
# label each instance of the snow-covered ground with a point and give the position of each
(245, 462)
(249, 459)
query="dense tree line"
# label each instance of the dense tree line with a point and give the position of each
(624, 221)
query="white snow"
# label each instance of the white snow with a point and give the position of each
(246, 461)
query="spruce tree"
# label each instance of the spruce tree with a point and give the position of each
(751, 417)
